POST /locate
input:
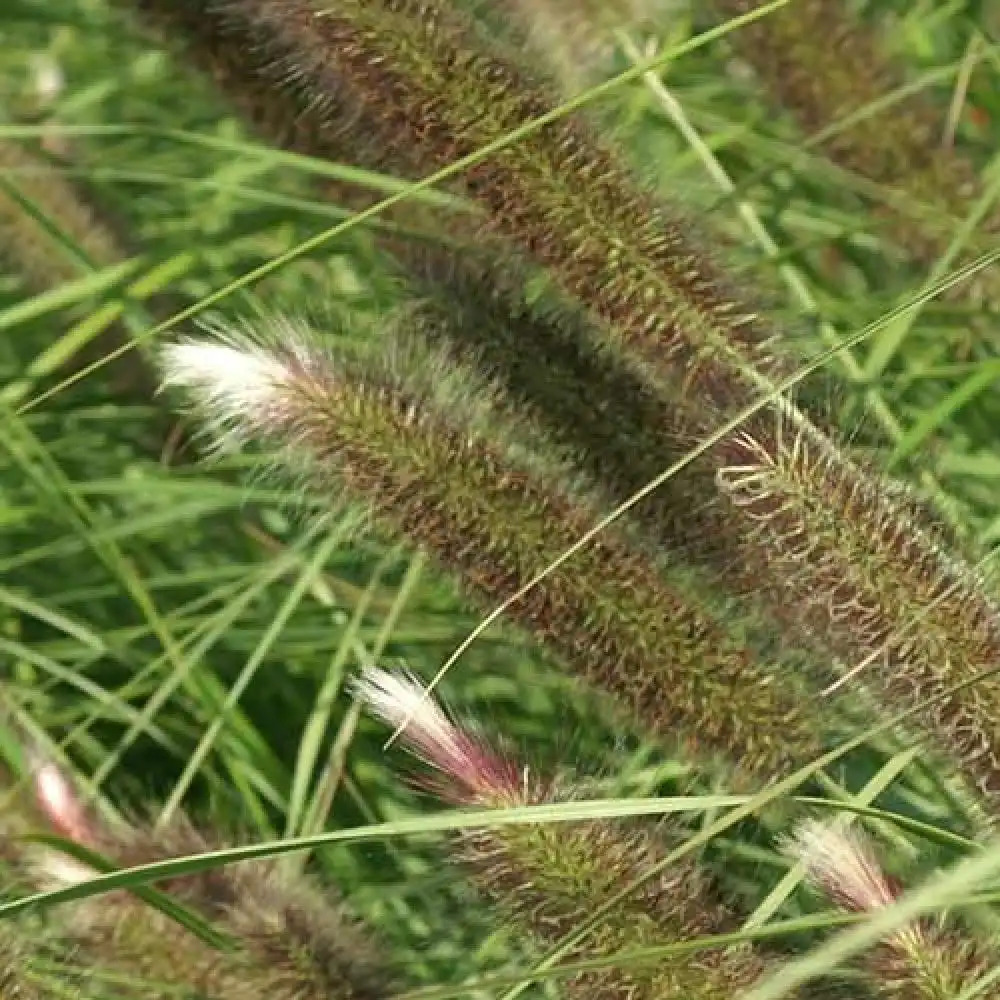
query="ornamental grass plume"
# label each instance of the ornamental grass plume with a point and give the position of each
(291, 940)
(550, 877)
(496, 521)
(588, 401)
(421, 70)
(567, 201)
(818, 60)
(878, 583)
(919, 961)
(547, 353)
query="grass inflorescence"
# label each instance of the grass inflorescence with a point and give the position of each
(558, 403)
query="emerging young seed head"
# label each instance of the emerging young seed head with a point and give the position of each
(840, 863)
(474, 771)
(918, 961)
(60, 804)
(549, 877)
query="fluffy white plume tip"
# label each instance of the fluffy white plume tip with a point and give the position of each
(398, 699)
(843, 865)
(60, 804)
(473, 770)
(232, 381)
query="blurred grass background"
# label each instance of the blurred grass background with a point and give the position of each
(177, 632)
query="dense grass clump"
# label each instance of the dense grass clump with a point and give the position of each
(358, 348)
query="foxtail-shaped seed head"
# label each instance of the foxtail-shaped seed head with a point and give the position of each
(873, 583)
(550, 877)
(497, 522)
(471, 771)
(431, 84)
(292, 939)
(919, 961)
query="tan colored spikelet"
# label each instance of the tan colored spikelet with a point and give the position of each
(291, 939)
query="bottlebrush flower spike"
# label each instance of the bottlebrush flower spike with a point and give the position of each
(591, 399)
(876, 584)
(232, 44)
(292, 943)
(473, 773)
(59, 806)
(920, 961)
(548, 357)
(293, 940)
(296, 942)
(497, 523)
(420, 71)
(551, 877)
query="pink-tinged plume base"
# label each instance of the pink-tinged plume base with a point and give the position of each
(919, 961)
(552, 877)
